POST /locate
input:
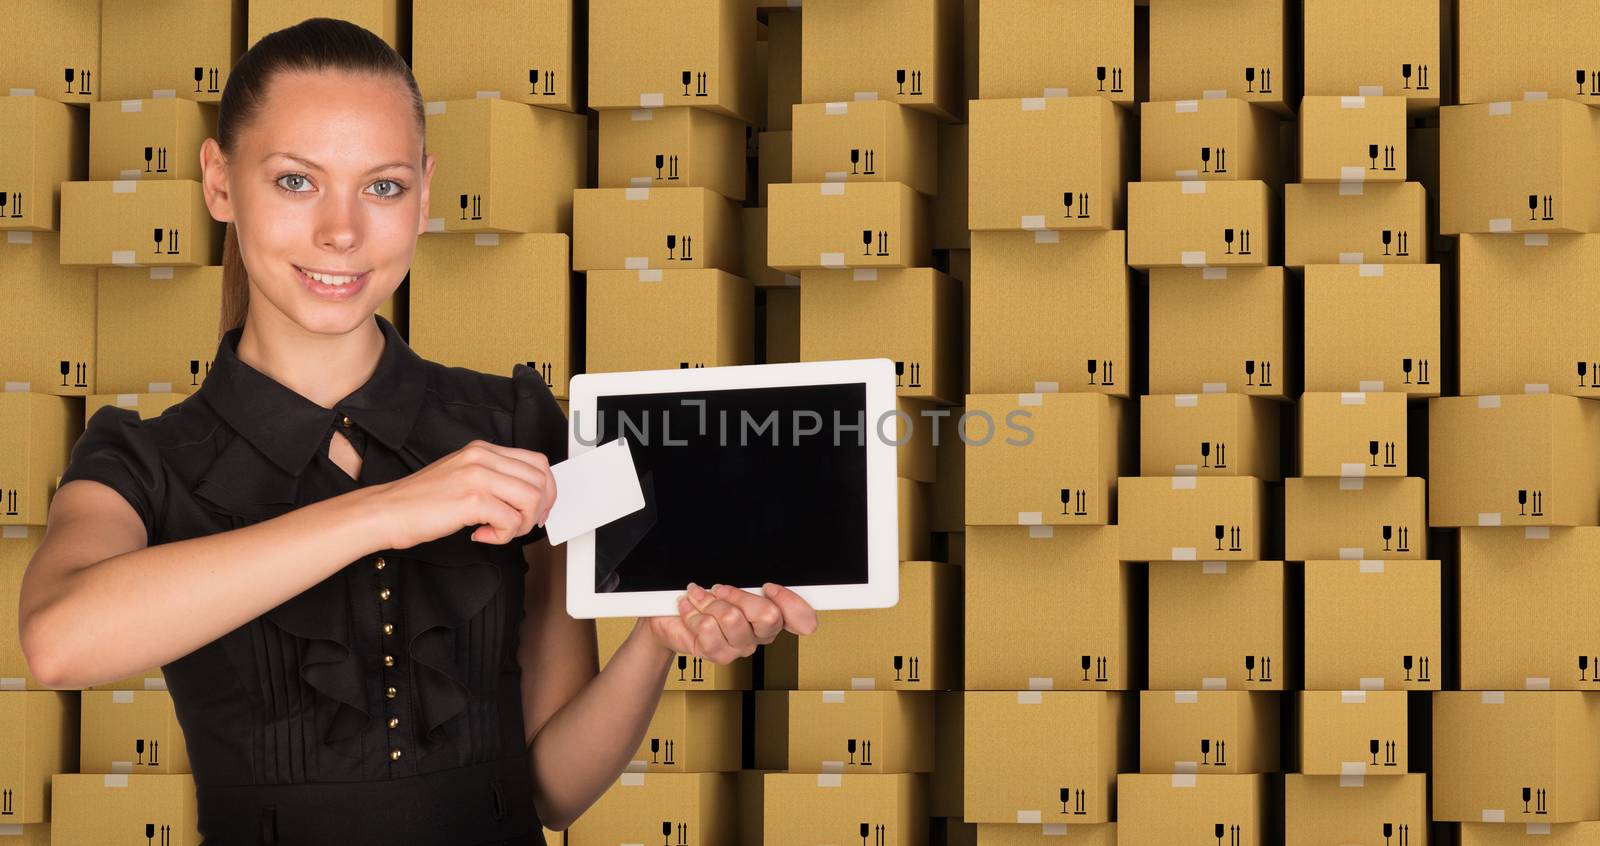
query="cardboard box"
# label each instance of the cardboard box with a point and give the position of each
(783, 67)
(1011, 834)
(1196, 223)
(1561, 834)
(678, 147)
(1375, 327)
(692, 732)
(1338, 809)
(49, 39)
(1037, 48)
(542, 36)
(950, 230)
(913, 645)
(1490, 746)
(40, 731)
(640, 228)
(1373, 625)
(1236, 141)
(112, 224)
(1047, 608)
(661, 319)
(1355, 223)
(774, 161)
(1217, 625)
(798, 809)
(131, 731)
(908, 51)
(519, 308)
(1025, 287)
(1024, 748)
(1161, 810)
(1174, 518)
(529, 159)
(860, 731)
(1018, 178)
(753, 240)
(1372, 48)
(869, 141)
(150, 54)
(1515, 460)
(1521, 329)
(1338, 730)
(1353, 139)
(1353, 434)
(1191, 435)
(702, 806)
(820, 225)
(1493, 61)
(910, 315)
(1356, 518)
(1519, 167)
(171, 129)
(45, 299)
(1208, 731)
(1219, 329)
(1047, 459)
(94, 808)
(696, 54)
(686, 671)
(1186, 62)
(45, 147)
(1525, 600)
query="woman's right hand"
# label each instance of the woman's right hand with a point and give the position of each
(504, 491)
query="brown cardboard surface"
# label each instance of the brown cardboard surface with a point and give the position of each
(1199, 224)
(1160, 810)
(698, 148)
(832, 225)
(1239, 141)
(910, 315)
(869, 141)
(89, 808)
(1040, 48)
(528, 40)
(627, 228)
(703, 806)
(110, 224)
(1353, 139)
(1018, 179)
(713, 43)
(1208, 731)
(172, 128)
(1488, 746)
(486, 179)
(1337, 728)
(1191, 518)
(1519, 167)
(1398, 623)
(1221, 329)
(1334, 809)
(653, 320)
(798, 808)
(1208, 435)
(1494, 62)
(1348, 52)
(1523, 325)
(1023, 747)
(1197, 53)
(1374, 327)
(860, 731)
(1353, 434)
(1029, 454)
(1514, 460)
(1347, 518)
(1525, 601)
(907, 51)
(1195, 645)
(1345, 223)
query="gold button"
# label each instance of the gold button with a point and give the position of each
(389, 692)
(394, 754)
(346, 422)
(394, 722)
(380, 563)
(383, 594)
(388, 660)
(388, 628)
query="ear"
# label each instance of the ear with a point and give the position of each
(422, 196)
(214, 181)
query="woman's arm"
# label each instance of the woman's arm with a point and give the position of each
(584, 724)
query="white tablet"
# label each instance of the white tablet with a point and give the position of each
(759, 473)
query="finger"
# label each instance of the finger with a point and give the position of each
(524, 487)
(732, 627)
(765, 617)
(500, 521)
(798, 615)
(528, 465)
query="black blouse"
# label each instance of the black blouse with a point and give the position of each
(382, 705)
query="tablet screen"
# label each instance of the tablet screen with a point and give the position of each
(741, 486)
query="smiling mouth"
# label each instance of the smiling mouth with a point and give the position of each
(334, 279)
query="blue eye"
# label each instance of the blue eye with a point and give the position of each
(395, 190)
(298, 176)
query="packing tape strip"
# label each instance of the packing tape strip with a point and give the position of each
(866, 96)
(1372, 565)
(831, 189)
(836, 107)
(1047, 236)
(1183, 780)
(1349, 173)
(1352, 398)
(132, 400)
(1214, 387)
(1535, 95)
(122, 766)
(123, 258)
(1046, 387)
(1351, 483)
(1032, 104)
(153, 388)
(1030, 518)
(1185, 106)
(638, 765)
(1494, 815)
(833, 697)
(19, 236)
(435, 224)
(132, 106)
(835, 176)
(115, 780)
(1032, 222)
(642, 114)
(1182, 553)
(124, 186)
(1535, 388)
(1499, 224)
(1371, 90)
(11, 682)
(863, 683)
(1489, 401)
(1030, 399)
(1354, 102)
(831, 767)
(1214, 94)
(1185, 469)
(1183, 483)
(636, 193)
(1352, 469)
(1536, 533)
(1212, 273)
(485, 94)
(1488, 518)
(635, 263)
(1186, 173)
(1535, 239)
(1538, 828)
(1030, 697)
(865, 274)
(1029, 817)
(122, 697)
(830, 779)
(1041, 531)
(1372, 386)
(1536, 683)
(1185, 697)
(650, 274)
(1193, 258)
(1050, 91)
(1041, 682)
(652, 101)
(1352, 553)
(1185, 400)
(22, 92)
(830, 259)
(434, 107)
(1186, 767)
(1500, 108)
(1351, 189)
(1352, 768)
(1371, 682)
(1492, 697)
(1352, 780)
(1371, 269)
(639, 182)
(485, 239)
(1352, 697)
(1194, 186)
(1214, 568)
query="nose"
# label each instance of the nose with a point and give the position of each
(339, 222)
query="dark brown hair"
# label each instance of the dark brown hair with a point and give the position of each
(314, 44)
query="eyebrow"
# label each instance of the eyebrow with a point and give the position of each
(313, 165)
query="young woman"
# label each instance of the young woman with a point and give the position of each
(335, 548)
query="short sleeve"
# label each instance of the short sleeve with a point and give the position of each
(538, 424)
(115, 450)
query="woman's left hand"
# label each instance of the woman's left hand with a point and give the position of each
(726, 622)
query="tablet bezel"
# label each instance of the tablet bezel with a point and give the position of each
(882, 589)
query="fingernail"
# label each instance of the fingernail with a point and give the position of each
(682, 597)
(769, 588)
(716, 587)
(696, 591)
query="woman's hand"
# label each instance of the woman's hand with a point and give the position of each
(726, 623)
(504, 491)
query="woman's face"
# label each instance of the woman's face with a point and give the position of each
(328, 178)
